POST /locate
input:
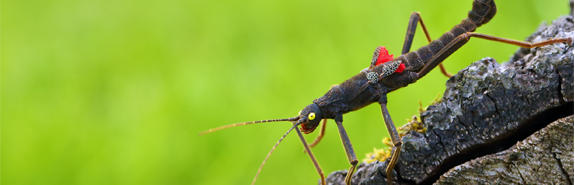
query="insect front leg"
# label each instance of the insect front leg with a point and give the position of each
(308, 151)
(321, 133)
(413, 20)
(395, 139)
(348, 149)
(320, 136)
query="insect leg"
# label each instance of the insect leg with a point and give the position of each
(522, 44)
(413, 20)
(395, 139)
(308, 151)
(464, 38)
(411, 27)
(320, 136)
(321, 133)
(348, 150)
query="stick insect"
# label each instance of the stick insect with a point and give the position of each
(385, 75)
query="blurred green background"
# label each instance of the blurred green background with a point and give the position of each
(116, 91)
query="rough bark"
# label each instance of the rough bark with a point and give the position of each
(496, 124)
(545, 157)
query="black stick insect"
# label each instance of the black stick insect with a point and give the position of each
(381, 77)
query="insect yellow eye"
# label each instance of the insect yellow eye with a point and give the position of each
(311, 116)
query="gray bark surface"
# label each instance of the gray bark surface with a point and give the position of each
(496, 124)
(545, 157)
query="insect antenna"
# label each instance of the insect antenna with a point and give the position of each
(270, 153)
(247, 123)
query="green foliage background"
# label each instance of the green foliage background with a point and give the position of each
(115, 92)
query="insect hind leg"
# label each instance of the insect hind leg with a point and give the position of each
(411, 28)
